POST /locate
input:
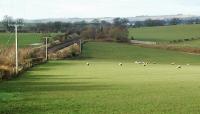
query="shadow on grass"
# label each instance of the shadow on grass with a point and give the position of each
(57, 77)
(58, 63)
(51, 65)
(82, 58)
(40, 69)
(62, 78)
(18, 86)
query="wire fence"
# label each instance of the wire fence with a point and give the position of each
(27, 56)
(32, 55)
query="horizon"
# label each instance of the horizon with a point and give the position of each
(95, 8)
(190, 15)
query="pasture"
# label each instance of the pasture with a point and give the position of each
(194, 43)
(129, 53)
(104, 87)
(165, 33)
(24, 39)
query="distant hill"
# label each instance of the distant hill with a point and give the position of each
(110, 19)
(166, 33)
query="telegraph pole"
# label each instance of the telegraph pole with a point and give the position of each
(16, 45)
(46, 43)
(16, 50)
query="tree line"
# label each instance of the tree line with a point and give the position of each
(174, 21)
(95, 30)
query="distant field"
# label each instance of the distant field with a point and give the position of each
(24, 39)
(195, 44)
(165, 33)
(123, 52)
(104, 87)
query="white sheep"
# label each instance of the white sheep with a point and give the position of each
(88, 64)
(144, 64)
(179, 67)
(172, 63)
(120, 64)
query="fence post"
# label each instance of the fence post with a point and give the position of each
(1, 75)
(80, 46)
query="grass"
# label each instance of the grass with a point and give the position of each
(72, 87)
(165, 33)
(24, 39)
(194, 44)
(129, 53)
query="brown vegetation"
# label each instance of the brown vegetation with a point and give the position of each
(173, 48)
(67, 52)
(25, 56)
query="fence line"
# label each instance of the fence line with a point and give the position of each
(9, 72)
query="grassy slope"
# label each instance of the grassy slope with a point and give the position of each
(128, 53)
(195, 44)
(24, 39)
(165, 33)
(104, 87)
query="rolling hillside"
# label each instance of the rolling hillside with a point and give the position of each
(104, 87)
(130, 53)
(165, 33)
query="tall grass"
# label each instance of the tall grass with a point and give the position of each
(70, 51)
(7, 56)
(25, 55)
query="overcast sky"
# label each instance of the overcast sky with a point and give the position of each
(34, 9)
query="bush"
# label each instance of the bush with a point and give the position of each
(119, 34)
(68, 52)
(7, 56)
(186, 39)
(132, 38)
(180, 40)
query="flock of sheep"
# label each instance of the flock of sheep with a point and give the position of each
(145, 64)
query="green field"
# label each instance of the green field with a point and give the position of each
(195, 44)
(128, 53)
(165, 33)
(104, 87)
(24, 39)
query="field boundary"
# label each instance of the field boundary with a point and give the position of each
(64, 44)
(142, 42)
(188, 50)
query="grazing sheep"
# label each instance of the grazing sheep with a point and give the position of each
(145, 64)
(142, 63)
(188, 64)
(172, 63)
(154, 63)
(138, 62)
(120, 64)
(179, 67)
(148, 62)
